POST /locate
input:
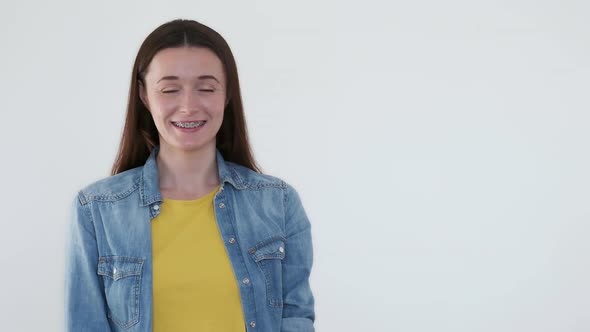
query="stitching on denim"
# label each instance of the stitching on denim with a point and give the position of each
(131, 259)
(136, 262)
(142, 188)
(136, 288)
(88, 212)
(285, 196)
(258, 186)
(264, 266)
(137, 296)
(270, 240)
(236, 177)
(116, 196)
(242, 184)
(82, 198)
(123, 325)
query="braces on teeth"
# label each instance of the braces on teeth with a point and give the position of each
(189, 124)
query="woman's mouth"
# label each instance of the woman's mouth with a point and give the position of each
(188, 124)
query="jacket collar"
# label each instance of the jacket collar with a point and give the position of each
(149, 186)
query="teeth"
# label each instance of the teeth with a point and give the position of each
(191, 124)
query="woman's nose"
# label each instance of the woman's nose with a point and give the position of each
(190, 101)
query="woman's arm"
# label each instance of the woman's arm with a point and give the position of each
(85, 305)
(298, 300)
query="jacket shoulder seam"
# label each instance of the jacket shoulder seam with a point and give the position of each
(263, 185)
(85, 205)
(245, 183)
(107, 197)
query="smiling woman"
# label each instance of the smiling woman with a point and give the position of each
(187, 234)
(184, 91)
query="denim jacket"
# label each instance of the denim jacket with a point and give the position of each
(261, 220)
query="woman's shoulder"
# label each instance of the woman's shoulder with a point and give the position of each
(114, 186)
(249, 178)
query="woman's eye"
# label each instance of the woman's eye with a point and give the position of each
(206, 90)
(169, 91)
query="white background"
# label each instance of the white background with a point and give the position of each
(439, 147)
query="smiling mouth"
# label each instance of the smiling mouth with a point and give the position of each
(188, 124)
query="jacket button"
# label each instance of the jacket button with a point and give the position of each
(232, 240)
(221, 205)
(253, 324)
(156, 207)
(281, 249)
(246, 281)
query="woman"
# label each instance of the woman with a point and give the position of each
(187, 234)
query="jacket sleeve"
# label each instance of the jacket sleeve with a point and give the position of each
(298, 300)
(85, 305)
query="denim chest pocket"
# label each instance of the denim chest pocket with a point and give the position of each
(268, 255)
(122, 285)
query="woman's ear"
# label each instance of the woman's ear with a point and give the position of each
(142, 94)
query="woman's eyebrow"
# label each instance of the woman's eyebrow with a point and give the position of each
(202, 77)
(205, 77)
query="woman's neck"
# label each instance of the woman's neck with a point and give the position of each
(187, 174)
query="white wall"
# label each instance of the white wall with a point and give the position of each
(440, 149)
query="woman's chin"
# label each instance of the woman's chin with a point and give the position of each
(192, 146)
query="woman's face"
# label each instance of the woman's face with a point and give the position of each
(185, 93)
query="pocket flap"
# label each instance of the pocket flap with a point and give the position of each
(269, 249)
(118, 267)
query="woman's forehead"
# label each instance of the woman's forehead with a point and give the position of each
(186, 63)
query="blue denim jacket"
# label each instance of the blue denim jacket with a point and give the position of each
(263, 224)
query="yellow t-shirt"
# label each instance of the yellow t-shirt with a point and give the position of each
(194, 288)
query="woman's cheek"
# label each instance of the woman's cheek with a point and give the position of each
(211, 102)
(167, 102)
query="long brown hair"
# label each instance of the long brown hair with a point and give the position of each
(140, 135)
